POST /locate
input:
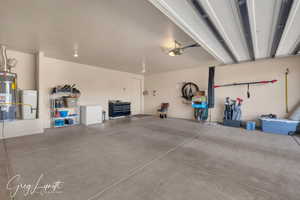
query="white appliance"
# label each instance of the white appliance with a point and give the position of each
(29, 104)
(91, 114)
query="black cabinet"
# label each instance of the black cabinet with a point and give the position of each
(118, 108)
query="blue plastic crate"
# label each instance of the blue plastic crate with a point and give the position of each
(232, 123)
(250, 125)
(63, 113)
(202, 105)
(280, 126)
(59, 122)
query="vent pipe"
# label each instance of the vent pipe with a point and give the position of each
(3, 58)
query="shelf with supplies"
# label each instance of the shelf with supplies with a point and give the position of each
(64, 108)
(72, 116)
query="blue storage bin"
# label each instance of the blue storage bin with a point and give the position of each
(250, 125)
(232, 123)
(59, 122)
(63, 113)
(202, 105)
(280, 126)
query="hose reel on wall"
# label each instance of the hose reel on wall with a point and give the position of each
(188, 90)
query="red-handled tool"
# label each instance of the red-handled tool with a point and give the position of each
(246, 83)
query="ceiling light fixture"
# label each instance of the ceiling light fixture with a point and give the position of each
(172, 53)
(75, 53)
(178, 50)
(75, 48)
(175, 52)
(144, 66)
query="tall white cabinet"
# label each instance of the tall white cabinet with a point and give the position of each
(29, 104)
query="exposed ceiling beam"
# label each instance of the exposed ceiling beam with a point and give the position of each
(238, 30)
(297, 49)
(226, 18)
(244, 15)
(184, 15)
(213, 28)
(291, 35)
(284, 12)
(263, 28)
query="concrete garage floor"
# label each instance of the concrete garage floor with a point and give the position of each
(153, 159)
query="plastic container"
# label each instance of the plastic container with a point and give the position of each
(202, 105)
(63, 113)
(59, 122)
(250, 125)
(232, 123)
(70, 102)
(280, 126)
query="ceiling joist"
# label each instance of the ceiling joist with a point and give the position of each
(284, 12)
(291, 35)
(238, 30)
(213, 28)
(297, 49)
(244, 16)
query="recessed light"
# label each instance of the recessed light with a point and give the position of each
(75, 53)
(144, 65)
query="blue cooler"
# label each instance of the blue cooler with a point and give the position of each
(280, 126)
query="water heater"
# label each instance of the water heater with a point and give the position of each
(8, 87)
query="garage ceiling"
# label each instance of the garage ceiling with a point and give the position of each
(238, 30)
(115, 34)
(121, 34)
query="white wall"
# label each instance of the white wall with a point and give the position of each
(97, 85)
(264, 99)
(168, 86)
(25, 69)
